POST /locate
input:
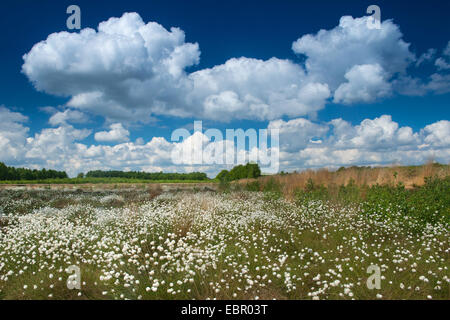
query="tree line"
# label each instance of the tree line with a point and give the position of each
(11, 173)
(145, 175)
(250, 170)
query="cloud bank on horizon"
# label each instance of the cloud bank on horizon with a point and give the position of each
(128, 71)
(303, 144)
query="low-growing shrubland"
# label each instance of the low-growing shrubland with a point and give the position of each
(428, 203)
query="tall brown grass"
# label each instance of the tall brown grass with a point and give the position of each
(410, 176)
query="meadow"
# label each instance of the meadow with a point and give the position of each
(242, 241)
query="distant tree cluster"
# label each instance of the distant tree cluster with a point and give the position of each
(250, 170)
(146, 175)
(11, 173)
(361, 168)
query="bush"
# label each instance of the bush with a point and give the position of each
(224, 186)
(272, 189)
(249, 171)
(223, 175)
(312, 192)
(253, 186)
(350, 194)
(429, 203)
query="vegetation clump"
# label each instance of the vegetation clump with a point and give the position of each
(248, 171)
(147, 175)
(11, 173)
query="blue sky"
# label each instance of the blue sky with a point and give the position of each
(390, 90)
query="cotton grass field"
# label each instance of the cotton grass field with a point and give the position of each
(231, 244)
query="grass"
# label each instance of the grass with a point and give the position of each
(232, 243)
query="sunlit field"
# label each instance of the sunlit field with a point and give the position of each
(229, 244)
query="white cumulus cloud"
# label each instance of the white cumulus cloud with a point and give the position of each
(303, 144)
(330, 54)
(128, 70)
(117, 134)
(365, 83)
(68, 116)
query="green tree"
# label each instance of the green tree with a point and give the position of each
(250, 170)
(223, 175)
